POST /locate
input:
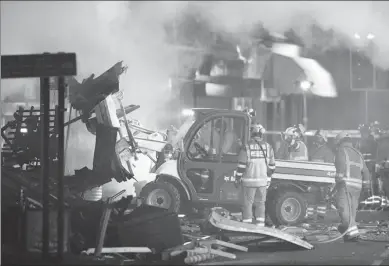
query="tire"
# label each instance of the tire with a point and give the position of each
(290, 209)
(161, 194)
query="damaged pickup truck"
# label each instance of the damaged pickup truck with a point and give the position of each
(202, 175)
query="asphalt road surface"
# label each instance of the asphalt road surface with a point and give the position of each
(338, 253)
(335, 253)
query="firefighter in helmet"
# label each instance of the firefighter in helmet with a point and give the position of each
(293, 146)
(255, 168)
(351, 176)
(322, 152)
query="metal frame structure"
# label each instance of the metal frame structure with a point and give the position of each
(45, 66)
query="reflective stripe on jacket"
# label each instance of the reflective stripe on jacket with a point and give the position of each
(255, 174)
(350, 167)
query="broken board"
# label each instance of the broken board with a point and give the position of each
(224, 223)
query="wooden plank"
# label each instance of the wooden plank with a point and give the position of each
(223, 223)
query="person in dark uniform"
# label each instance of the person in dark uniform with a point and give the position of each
(322, 152)
(368, 148)
(351, 177)
(382, 161)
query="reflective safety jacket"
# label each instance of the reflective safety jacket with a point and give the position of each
(351, 169)
(252, 167)
(323, 154)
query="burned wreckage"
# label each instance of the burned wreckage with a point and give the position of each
(21, 155)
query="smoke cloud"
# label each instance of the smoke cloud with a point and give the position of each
(345, 19)
(102, 33)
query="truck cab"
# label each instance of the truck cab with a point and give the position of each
(203, 174)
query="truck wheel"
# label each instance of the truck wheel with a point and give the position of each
(290, 208)
(161, 194)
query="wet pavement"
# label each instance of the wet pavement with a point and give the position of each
(338, 253)
(373, 249)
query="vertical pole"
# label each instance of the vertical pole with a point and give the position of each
(61, 166)
(305, 111)
(45, 163)
(366, 106)
(282, 107)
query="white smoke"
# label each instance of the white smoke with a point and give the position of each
(101, 34)
(346, 19)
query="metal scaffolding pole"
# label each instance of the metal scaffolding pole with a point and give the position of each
(45, 163)
(61, 166)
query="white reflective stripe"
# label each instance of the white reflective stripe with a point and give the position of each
(352, 231)
(268, 179)
(241, 165)
(353, 180)
(272, 167)
(352, 228)
(353, 184)
(239, 174)
(339, 175)
(247, 220)
(322, 207)
(260, 219)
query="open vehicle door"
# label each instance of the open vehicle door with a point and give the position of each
(210, 155)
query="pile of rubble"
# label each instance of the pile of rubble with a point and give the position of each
(153, 235)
